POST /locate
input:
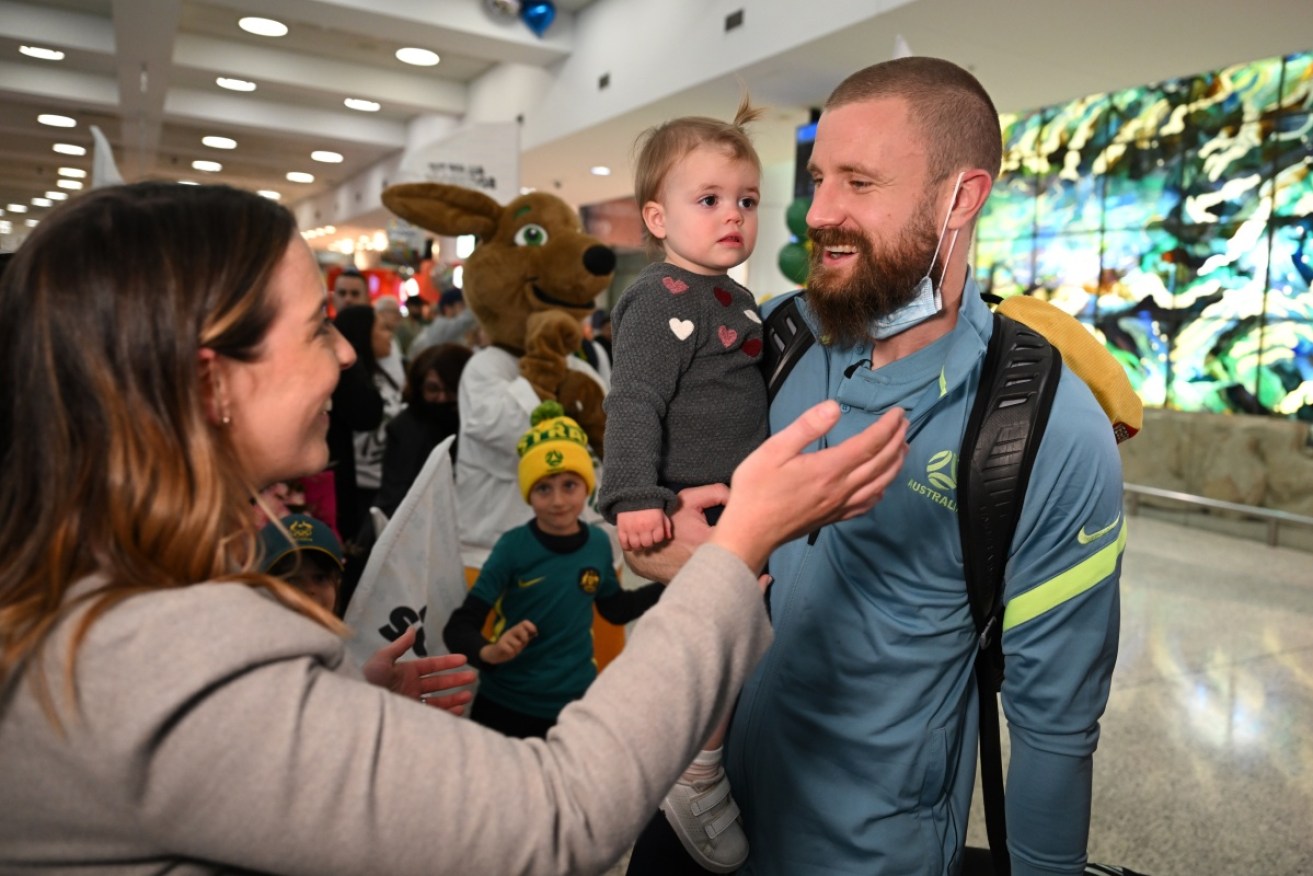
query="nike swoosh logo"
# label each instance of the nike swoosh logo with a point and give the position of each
(532, 582)
(1086, 537)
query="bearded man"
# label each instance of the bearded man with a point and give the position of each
(853, 746)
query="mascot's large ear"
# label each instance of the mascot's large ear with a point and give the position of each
(444, 209)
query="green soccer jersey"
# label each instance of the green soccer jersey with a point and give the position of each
(525, 579)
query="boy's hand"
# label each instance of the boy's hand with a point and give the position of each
(642, 529)
(510, 644)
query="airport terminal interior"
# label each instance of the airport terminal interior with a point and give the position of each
(1157, 185)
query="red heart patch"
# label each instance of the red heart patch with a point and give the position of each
(727, 335)
(752, 346)
(673, 286)
(722, 296)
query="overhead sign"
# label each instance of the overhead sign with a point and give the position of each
(484, 157)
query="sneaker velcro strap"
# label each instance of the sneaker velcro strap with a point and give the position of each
(711, 799)
(722, 821)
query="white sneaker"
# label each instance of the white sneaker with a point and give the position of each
(706, 820)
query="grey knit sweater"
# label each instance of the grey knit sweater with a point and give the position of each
(687, 399)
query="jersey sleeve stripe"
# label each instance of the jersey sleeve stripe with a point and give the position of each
(1065, 586)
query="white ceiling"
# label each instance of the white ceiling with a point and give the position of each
(144, 71)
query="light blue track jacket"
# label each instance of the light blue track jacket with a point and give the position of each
(853, 746)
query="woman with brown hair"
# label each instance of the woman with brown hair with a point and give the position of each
(166, 706)
(429, 418)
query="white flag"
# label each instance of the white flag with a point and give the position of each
(414, 573)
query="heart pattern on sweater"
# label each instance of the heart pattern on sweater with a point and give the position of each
(752, 346)
(727, 336)
(722, 296)
(682, 328)
(674, 286)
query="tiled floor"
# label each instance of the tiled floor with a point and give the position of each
(1205, 763)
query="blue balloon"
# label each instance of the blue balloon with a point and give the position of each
(539, 15)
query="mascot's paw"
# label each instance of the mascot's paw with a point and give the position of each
(581, 396)
(552, 332)
(550, 337)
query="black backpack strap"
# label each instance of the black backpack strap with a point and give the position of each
(787, 338)
(1013, 400)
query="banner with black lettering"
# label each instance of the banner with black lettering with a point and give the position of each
(414, 573)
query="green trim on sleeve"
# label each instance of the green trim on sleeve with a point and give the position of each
(1069, 584)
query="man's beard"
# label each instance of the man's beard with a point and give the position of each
(845, 307)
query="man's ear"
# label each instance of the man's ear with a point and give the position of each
(208, 368)
(654, 217)
(971, 196)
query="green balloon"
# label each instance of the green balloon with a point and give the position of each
(795, 216)
(795, 263)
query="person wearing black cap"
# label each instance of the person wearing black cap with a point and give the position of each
(452, 325)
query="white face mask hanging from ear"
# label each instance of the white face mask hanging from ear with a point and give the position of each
(928, 299)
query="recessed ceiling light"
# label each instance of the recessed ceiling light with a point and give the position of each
(57, 196)
(31, 223)
(70, 149)
(188, 182)
(70, 184)
(17, 208)
(418, 57)
(299, 177)
(600, 170)
(219, 142)
(234, 84)
(326, 157)
(364, 106)
(262, 26)
(74, 172)
(55, 121)
(270, 194)
(41, 202)
(42, 53)
(207, 166)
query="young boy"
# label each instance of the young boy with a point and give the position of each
(312, 561)
(540, 584)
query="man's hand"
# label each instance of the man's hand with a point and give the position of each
(689, 529)
(509, 644)
(419, 679)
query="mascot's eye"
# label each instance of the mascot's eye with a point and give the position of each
(531, 235)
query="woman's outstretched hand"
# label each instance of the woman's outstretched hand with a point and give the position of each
(779, 492)
(422, 678)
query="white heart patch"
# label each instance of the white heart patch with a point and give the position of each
(681, 327)
(753, 315)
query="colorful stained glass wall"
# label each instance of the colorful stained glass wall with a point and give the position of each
(1176, 221)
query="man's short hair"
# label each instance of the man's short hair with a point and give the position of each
(449, 297)
(955, 113)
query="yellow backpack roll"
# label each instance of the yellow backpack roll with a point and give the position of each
(1086, 357)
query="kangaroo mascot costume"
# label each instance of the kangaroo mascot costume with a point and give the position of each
(531, 280)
